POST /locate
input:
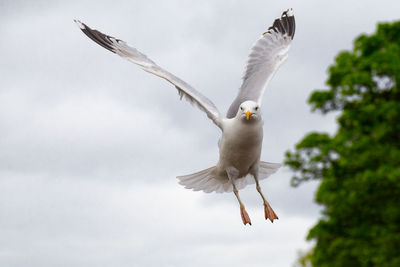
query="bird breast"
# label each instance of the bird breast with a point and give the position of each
(240, 145)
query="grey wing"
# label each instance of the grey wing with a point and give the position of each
(122, 49)
(266, 55)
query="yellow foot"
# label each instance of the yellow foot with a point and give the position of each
(245, 216)
(269, 212)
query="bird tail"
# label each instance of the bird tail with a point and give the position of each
(267, 168)
(207, 180)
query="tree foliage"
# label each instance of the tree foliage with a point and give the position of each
(359, 166)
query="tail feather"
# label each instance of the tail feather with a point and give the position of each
(267, 168)
(207, 180)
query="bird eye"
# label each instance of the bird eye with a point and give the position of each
(241, 108)
(256, 108)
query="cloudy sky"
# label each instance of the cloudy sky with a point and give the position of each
(90, 145)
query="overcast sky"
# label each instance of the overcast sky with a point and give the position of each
(90, 145)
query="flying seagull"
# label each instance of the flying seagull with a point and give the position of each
(242, 128)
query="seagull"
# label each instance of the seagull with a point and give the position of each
(240, 145)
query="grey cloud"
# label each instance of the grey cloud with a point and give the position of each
(90, 144)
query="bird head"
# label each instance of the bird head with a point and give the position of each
(249, 111)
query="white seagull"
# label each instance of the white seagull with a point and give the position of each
(242, 129)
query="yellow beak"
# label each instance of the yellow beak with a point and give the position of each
(248, 114)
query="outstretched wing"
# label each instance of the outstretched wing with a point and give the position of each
(122, 49)
(266, 55)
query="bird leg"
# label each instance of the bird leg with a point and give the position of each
(232, 175)
(243, 212)
(269, 212)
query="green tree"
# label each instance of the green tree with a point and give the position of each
(359, 166)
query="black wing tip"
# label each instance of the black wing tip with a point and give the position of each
(285, 24)
(288, 13)
(98, 37)
(80, 24)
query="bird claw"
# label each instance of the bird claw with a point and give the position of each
(269, 213)
(245, 216)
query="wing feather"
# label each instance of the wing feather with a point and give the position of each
(266, 55)
(122, 49)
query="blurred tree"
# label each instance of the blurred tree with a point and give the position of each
(359, 166)
(304, 259)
